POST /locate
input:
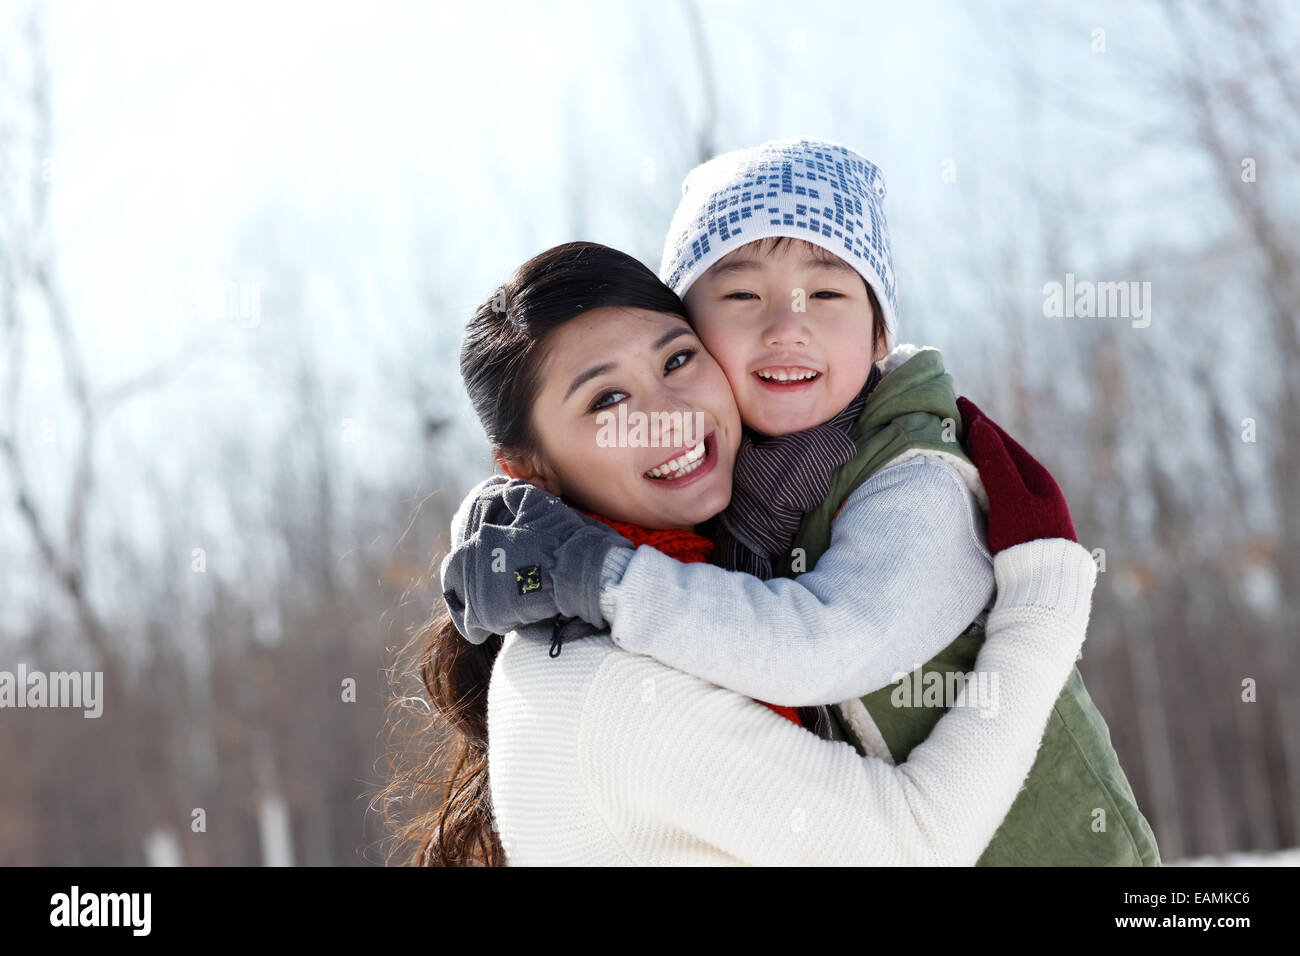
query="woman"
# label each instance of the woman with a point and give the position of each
(604, 757)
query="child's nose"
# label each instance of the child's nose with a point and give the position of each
(785, 325)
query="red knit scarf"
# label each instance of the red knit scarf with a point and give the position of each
(685, 546)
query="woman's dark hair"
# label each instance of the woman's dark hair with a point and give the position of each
(500, 362)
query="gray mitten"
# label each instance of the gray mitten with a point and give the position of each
(519, 556)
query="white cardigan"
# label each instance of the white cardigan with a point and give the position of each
(604, 757)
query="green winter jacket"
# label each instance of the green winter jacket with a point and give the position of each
(1076, 807)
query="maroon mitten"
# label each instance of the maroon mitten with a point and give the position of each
(1025, 502)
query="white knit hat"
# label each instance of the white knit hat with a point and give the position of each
(808, 189)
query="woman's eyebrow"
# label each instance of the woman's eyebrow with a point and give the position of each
(601, 369)
(588, 375)
(668, 337)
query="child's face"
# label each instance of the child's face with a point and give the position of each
(796, 312)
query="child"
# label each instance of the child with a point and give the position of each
(852, 499)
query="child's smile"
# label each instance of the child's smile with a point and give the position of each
(787, 378)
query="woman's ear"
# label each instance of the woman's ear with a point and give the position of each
(529, 468)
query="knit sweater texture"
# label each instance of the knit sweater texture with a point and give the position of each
(605, 757)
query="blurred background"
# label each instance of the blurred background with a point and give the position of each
(239, 242)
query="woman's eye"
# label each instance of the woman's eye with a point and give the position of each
(740, 296)
(685, 356)
(601, 402)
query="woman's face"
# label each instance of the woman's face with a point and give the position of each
(635, 420)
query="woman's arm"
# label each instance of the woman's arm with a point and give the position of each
(906, 572)
(729, 770)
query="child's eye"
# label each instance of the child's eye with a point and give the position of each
(740, 296)
(828, 293)
(685, 355)
(600, 402)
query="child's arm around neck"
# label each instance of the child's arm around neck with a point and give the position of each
(907, 571)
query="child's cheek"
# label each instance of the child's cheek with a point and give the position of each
(729, 350)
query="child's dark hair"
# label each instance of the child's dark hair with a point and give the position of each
(500, 362)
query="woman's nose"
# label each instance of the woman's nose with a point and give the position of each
(672, 419)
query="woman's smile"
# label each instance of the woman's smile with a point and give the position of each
(686, 468)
